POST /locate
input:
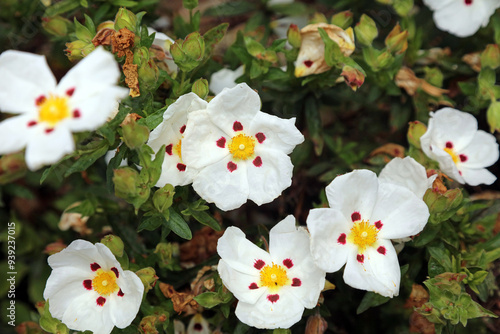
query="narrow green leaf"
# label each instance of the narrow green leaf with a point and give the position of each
(178, 225)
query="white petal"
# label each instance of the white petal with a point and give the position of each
(23, 78)
(239, 253)
(482, 151)
(239, 283)
(263, 314)
(353, 192)
(14, 133)
(401, 212)
(280, 134)
(78, 254)
(196, 322)
(225, 78)
(48, 148)
(407, 173)
(288, 242)
(271, 177)
(172, 172)
(378, 273)
(478, 176)
(123, 310)
(62, 286)
(240, 103)
(110, 260)
(446, 164)
(326, 227)
(199, 146)
(217, 184)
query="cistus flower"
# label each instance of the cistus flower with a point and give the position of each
(88, 290)
(225, 78)
(462, 151)
(364, 215)
(50, 112)
(164, 42)
(241, 152)
(198, 325)
(311, 58)
(272, 288)
(462, 18)
(170, 133)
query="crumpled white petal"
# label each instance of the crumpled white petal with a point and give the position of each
(224, 78)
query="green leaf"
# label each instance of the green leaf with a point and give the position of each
(442, 256)
(86, 208)
(206, 219)
(208, 299)
(86, 160)
(314, 124)
(178, 225)
(214, 36)
(62, 7)
(333, 54)
(371, 299)
(151, 223)
(231, 8)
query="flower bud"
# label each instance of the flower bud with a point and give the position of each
(366, 30)
(148, 278)
(12, 167)
(134, 134)
(318, 18)
(56, 25)
(125, 19)
(316, 324)
(397, 40)
(194, 46)
(147, 70)
(200, 88)
(114, 243)
(77, 50)
(54, 247)
(293, 35)
(177, 53)
(342, 19)
(415, 131)
(49, 323)
(29, 327)
(106, 25)
(163, 198)
(190, 4)
(126, 180)
(493, 116)
(490, 56)
(353, 77)
(165, 252)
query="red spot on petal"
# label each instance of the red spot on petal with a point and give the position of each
(273, 298)
(460, 172)
(183, 128)
(381, 250)
(449, 144)
(360, 258)
(341, 239)
(308, 63)
(260, 137)
(468, 2)
(94, 266)
(87, 284)
(47, 131)
(39, 100)
(168, 149)
(378, 224)
(237, 126)
(356, 216)
(231, 166)
(76, 113)
(259, 264)
(296, 282)
(463, 157)
(115, 271)
(198, 327)
(257, 162)
(288, 263)
(31, 123)
(253, 286)
(181, 167)
(120, 293)
(221, 142)
(70, 91)
(100, 301)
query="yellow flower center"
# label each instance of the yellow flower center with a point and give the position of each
(273, 277)
(363, 234)
(451, 152)
(104, 282)
(177, 149)
(241, 146)
(53, 110)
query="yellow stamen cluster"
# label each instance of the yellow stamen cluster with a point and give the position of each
(241, 146)
(274, 277)
(451, 152)
(177, 149)
(363, 234)
(53, 110)
(104, 282)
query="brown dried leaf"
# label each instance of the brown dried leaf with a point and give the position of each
(103, 37)
(316, 324)
(183, 302)
(473, 60)
(485, 195)
(121, 43)
(407, 80)
(200, 247)
(390, 149)
(418, 296)
(420, 324)
(131, 118)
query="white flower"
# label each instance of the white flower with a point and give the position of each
(241, 152)
(463, 151)
(272, 288)
(357, 229)
(280, 26)
(170, 132)
(409, 174)
(198, 325)
(462, 17)
(225, 78)
(88, 290)
(164, 42)
(50, 112)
